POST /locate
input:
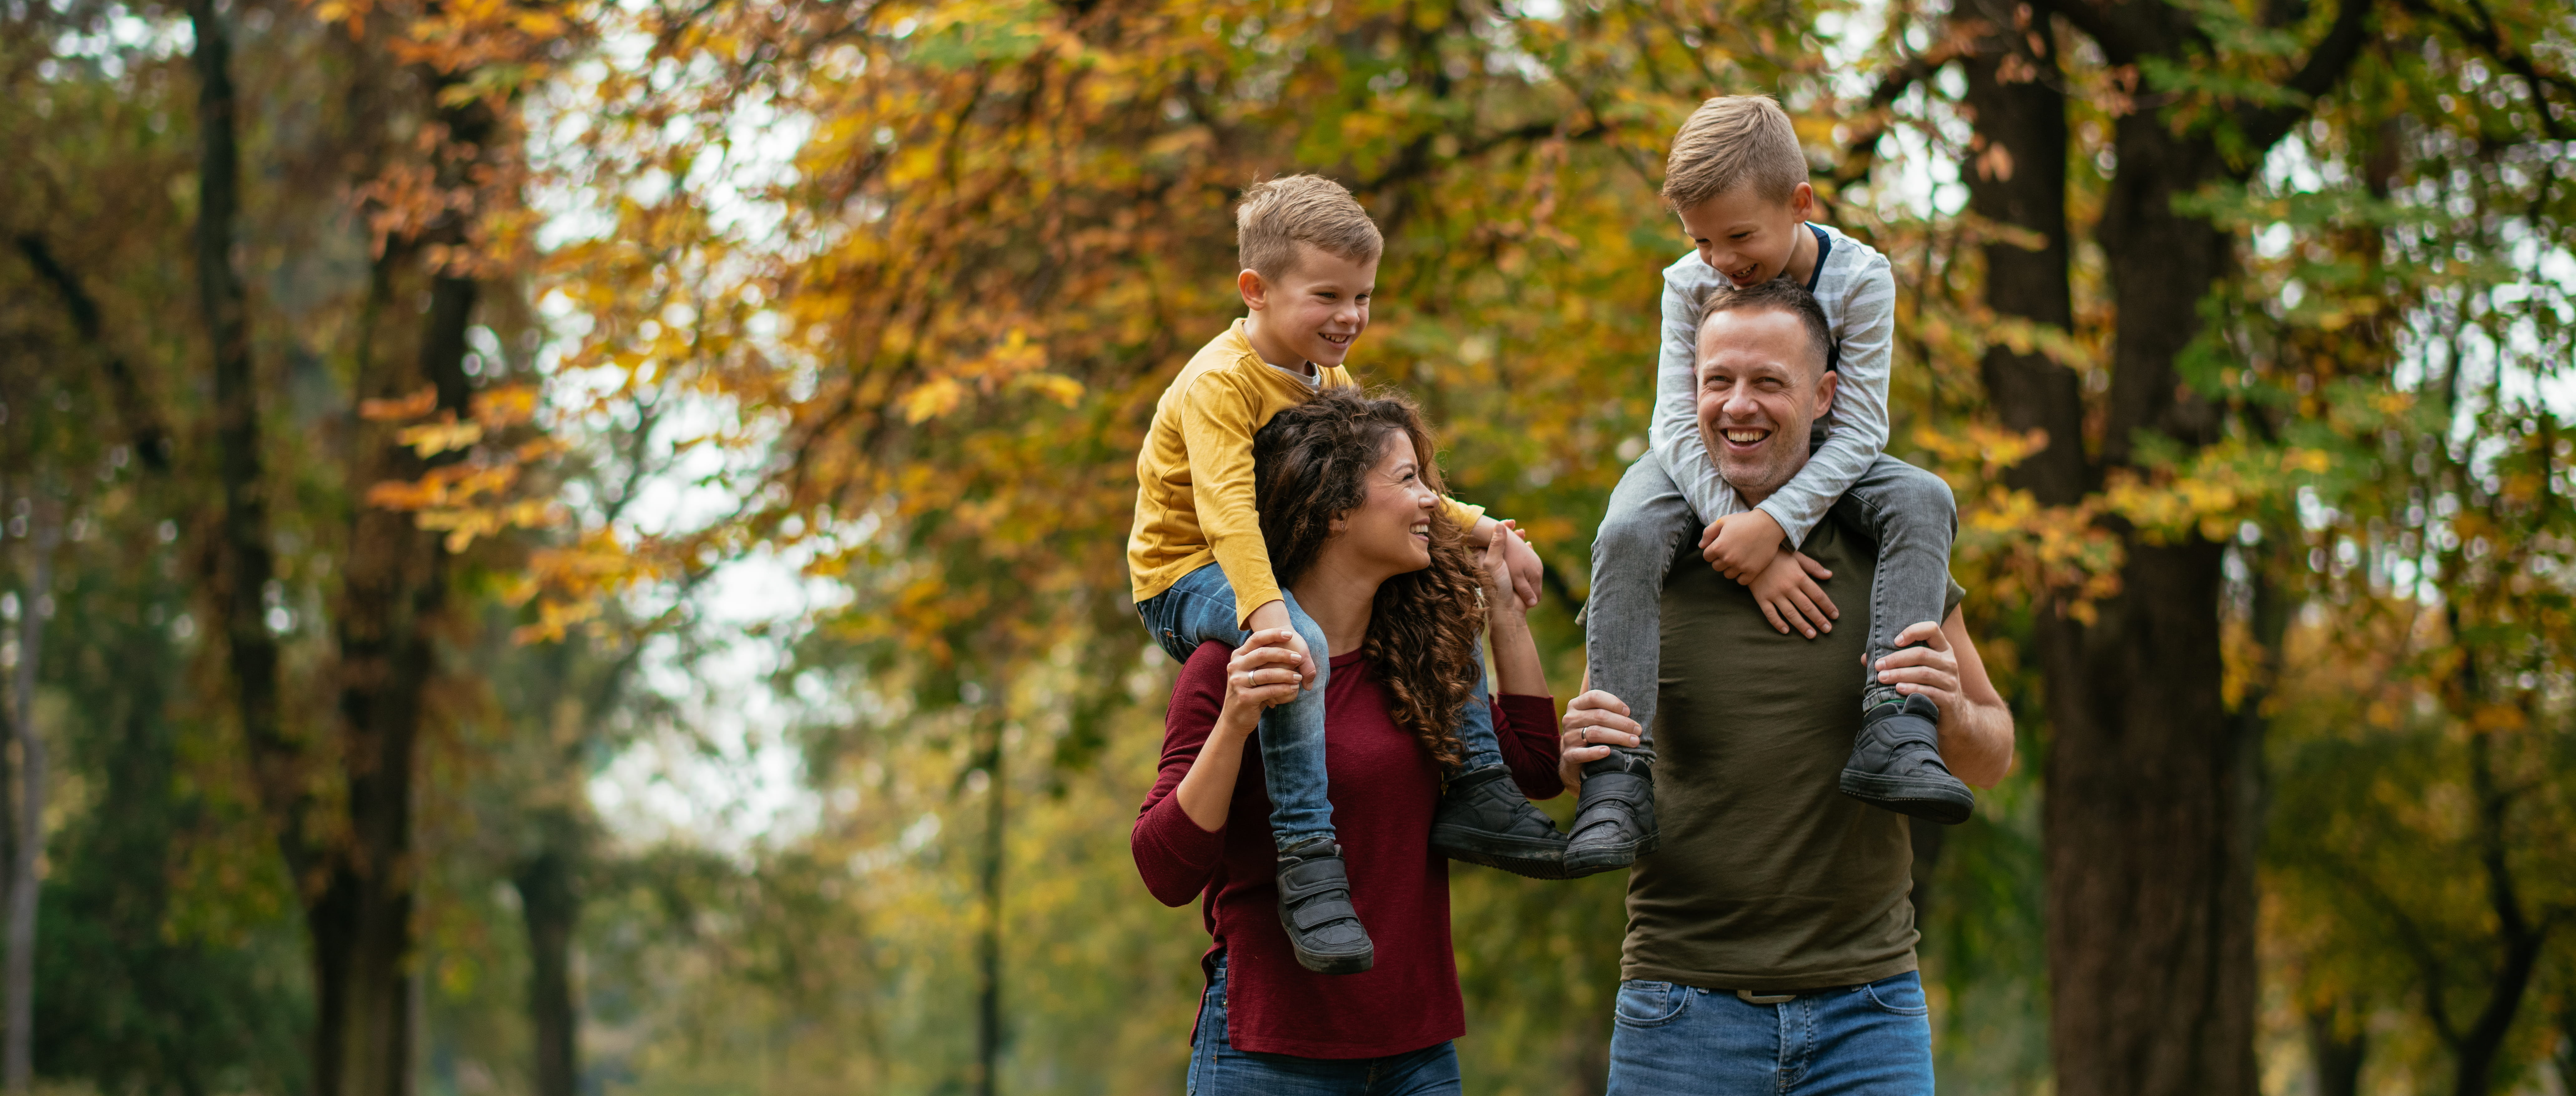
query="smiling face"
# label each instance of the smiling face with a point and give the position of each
(1762, 386)
(1389, 533)
(1746, 237)
(1314, 311)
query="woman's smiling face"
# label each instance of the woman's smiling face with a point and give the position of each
(1390, 532)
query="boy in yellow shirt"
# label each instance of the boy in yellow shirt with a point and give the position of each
(1201, 571)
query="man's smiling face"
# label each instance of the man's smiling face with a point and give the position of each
(1762, 386)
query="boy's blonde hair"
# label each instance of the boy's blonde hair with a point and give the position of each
(1279, 214)
(1730, 141)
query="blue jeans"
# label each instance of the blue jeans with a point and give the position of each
(1217, 1069)
(1199, 608)
(1680, 1041)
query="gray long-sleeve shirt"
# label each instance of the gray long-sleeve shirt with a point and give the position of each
(1859, 294)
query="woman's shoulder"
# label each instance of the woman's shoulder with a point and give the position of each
(1205, 670)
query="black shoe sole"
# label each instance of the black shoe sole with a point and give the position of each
(1334, 964)
(1601, 858)
(1948, 803)
(1523, 856)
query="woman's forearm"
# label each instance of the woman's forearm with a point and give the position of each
(1517, 668)
(1207, 790)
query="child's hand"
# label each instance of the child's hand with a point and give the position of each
(1788, 594)
(1262, 673)
(1272, 616)
(1741, 546)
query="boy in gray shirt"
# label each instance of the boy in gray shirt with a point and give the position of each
(1737, 180)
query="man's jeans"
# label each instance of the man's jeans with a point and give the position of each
(1199, 608)
(1907, 512)
(1217, 1069)
(1679, 1041)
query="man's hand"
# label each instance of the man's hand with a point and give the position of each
(1594, 722)
(1742, 545)
(1788, 594)
(1273, 616)
(1929, 667)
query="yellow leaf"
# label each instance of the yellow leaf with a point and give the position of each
(433, 438)
(939, 396)
(409, 407)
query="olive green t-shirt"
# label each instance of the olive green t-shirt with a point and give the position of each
(1769, 878)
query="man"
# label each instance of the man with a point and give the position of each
(1770, 944)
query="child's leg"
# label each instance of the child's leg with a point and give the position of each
(1476, 726)
(1314, 883)
(1896, 757)
(1483, 818)
(1292, 748)
(1646, 525)
(1912, 517)
(1199, 608)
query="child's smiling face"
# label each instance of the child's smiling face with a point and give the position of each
(1316, 309)
(1746, 237)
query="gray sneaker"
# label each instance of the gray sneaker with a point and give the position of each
(1896, 764)
(1614, 821)
(1484, 819)
(1315, 908)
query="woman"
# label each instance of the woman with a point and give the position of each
(1347, 497)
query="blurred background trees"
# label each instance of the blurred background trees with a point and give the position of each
(558, 548)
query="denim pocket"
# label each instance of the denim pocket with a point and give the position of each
(1650, 1004)
(1901, 995)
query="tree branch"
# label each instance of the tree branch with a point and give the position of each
(2484, 35)
(151, 440)
(2265, 126)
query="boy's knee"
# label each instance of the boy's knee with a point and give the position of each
(1916, 491)
(1631, 534)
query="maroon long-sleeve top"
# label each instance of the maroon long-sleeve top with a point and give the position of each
(1384, 789)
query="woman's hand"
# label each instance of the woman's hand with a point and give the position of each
(1503, 552)
(1262, 673)
(1593, 723)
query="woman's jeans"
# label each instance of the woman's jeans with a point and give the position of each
(1217, 1069)
(1199, 608)
(1871, 1040)
(1906, 512)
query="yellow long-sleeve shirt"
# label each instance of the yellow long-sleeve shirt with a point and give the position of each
(1194, 498)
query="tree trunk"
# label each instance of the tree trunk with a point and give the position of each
(2019, 181)
(2336, 1056)
(2149, 814)
(2520, 938)
(24, 875)
(988, 989)
(394, 591)
(551, 907)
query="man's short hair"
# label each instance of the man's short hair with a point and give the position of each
(1728, 142)
(1279, 214)
(1776, 295)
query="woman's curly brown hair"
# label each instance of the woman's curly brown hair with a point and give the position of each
(1310, 468)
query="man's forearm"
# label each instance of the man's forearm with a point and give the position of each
(1977, 742)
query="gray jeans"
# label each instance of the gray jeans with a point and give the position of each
(1906, 512)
